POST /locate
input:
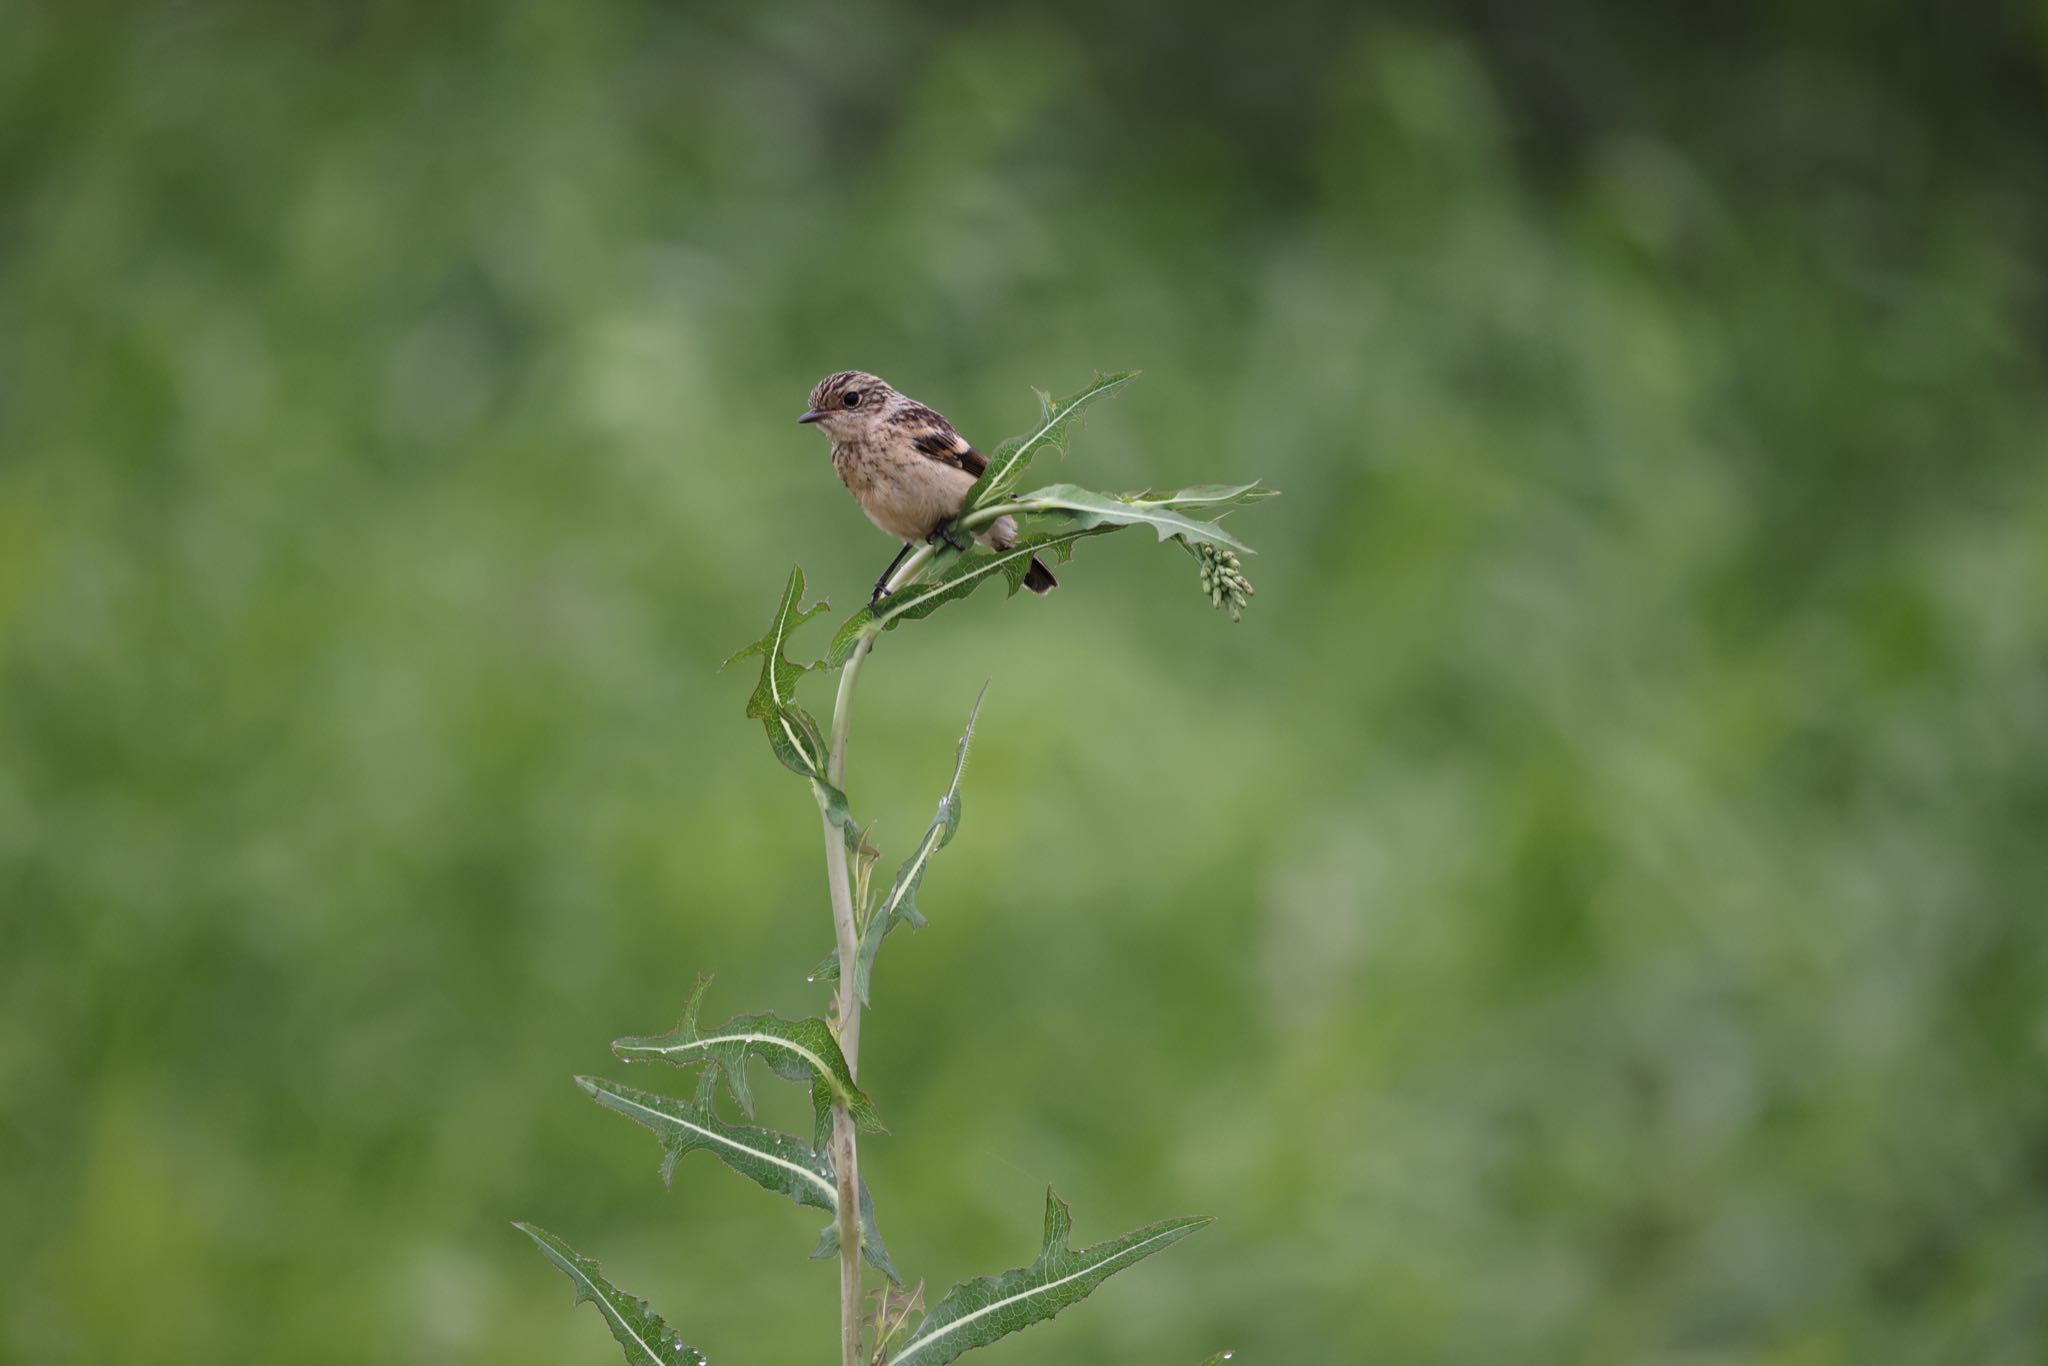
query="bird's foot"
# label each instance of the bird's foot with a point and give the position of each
(944, 532)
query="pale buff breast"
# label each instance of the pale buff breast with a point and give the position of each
(904, 492)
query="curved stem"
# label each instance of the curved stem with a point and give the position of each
(910, 569)
(845, 1149)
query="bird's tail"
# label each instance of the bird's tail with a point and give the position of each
(1002, 534)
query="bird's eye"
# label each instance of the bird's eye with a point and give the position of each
(852, 400)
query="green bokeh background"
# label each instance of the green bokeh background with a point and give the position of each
(1591, 910)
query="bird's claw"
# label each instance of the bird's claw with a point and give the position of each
(944, 532)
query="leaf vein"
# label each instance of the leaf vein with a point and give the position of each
(916, 1343)
(817, 1063)
(805, 1172)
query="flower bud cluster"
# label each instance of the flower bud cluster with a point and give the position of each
(1223, 579)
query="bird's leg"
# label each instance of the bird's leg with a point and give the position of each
(944, 532)
(882, 584)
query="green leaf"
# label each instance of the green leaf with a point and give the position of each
(1160, 511)
(959, 578)
(1080, 512)
(833, 803)
(977, 1312)
(900, 905)
(1211, 495)
(795, 1050)
(792, 733)
(1219, 1358)
(647, 1340)
(1014, 455)
(775, 1162)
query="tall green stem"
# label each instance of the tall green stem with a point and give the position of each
(845, 1150)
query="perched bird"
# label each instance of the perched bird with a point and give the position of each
(906, 467)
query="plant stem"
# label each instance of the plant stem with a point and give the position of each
(845, 1154)
(845, 1150)
(836, 871)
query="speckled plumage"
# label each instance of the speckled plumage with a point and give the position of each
(904, 464)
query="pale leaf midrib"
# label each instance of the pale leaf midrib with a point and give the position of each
(1156, 514)
(792, 613)
(910, 873)
(795, 741)
(1029, 444)
(817, 1063)
(1052, 420)
(598, 1298)
(918, 1344)
(982, 571)
(789, 602)
(806, 1173)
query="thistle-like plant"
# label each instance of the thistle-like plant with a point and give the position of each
(822, 1171)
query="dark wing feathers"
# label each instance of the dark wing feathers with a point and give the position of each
(937, 439)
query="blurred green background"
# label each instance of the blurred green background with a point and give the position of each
(1591, 910)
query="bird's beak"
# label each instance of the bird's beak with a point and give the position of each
(812, 416)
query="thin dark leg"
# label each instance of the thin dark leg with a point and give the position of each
(883, 582)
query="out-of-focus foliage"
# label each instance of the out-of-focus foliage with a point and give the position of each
(1589, 910)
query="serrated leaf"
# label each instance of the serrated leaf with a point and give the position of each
(795, 1050)
(834, 804)
(900, 905)
(1007, 465)
(977, 1312)
(776, 1162)
(849, 634)
(870, 1242)
(960, 577)
(1160, 511)
(643, 1334)
(792, 733)
(1211, 495)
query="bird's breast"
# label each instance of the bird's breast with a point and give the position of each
(903, 491)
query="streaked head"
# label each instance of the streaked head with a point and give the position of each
(849, 403)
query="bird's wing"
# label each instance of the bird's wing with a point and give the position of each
(934, 437)
(952, 449)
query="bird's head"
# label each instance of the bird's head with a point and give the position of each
(850, 404)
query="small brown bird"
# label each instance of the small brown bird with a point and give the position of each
(906, 467)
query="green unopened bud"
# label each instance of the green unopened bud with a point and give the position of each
(1222, 578)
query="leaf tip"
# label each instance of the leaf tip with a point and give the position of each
(1059, 1221)
(688, 1024)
